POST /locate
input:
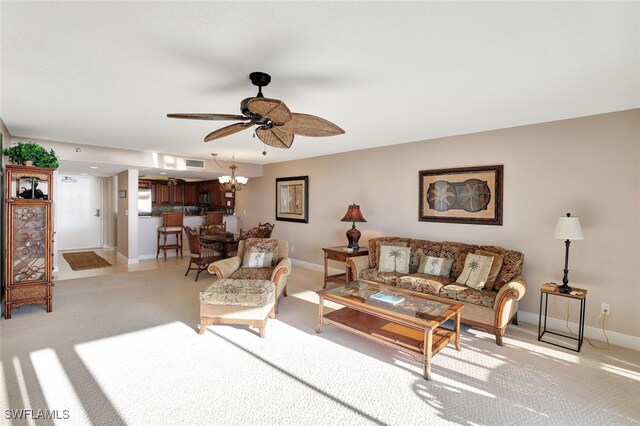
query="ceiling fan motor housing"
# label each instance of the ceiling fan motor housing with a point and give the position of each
(260, 79)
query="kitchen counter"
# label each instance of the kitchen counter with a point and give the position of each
(148, 233)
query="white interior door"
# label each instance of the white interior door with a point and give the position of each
(78, 212)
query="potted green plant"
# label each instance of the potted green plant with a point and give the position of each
(31, 153)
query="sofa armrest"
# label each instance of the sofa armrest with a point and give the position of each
(355, 265)
(225, 267)
(282, 269)
(279, 276)
(506, 304)
(513, 289)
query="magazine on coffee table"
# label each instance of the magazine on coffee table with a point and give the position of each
(382, 296)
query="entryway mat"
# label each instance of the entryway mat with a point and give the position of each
(85, 260)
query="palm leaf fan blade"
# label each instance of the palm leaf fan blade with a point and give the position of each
(275, 137)
(215, 117)
(310, 125)
(273, 109)
(226, 131)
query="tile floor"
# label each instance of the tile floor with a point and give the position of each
(65, 272)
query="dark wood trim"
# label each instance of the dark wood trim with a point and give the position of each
(495, 220)
(306, 198)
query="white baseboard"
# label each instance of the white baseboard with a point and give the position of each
(153, 256)
(594, 333)
(161, 256)
(126, 260)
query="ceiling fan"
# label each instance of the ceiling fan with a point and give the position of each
(174, 180)
(275, 124)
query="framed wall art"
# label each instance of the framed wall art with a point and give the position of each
(470, 195)
(292, 199)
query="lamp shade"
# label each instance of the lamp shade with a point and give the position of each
(568, 228)
(353, 214)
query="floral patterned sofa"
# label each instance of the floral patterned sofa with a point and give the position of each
(491, 309)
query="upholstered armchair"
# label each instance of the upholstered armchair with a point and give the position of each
(259, 259)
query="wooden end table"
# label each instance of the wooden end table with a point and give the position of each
(414, 325)
(577, 294)
(339, 254)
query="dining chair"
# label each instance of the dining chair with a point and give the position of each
(201, 254)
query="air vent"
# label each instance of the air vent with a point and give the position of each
(194, 164)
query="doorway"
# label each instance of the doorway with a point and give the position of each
(78, 212)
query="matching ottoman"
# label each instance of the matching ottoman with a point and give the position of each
(245, 301)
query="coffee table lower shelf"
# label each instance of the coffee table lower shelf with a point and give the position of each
(392, 334)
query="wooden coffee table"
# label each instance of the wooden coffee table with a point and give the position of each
(413, 325)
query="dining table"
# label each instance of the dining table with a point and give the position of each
(226, 242)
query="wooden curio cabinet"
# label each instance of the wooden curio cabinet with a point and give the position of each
(28, 237)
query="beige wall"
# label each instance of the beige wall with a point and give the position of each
(127, 216)
(122, 223)
(588, 166)
(110, 213)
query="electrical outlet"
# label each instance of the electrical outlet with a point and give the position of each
(605, 309)
(293, 249)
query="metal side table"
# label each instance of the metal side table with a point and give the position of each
(578, 294)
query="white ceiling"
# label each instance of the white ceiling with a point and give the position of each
(107, 73)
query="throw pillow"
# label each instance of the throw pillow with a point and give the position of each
(394, 259)
(435, 266)
(261, 245)
(495, 267)
(379, 244)
(476, 270)
(257, 260)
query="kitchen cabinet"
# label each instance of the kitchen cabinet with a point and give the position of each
(169, 195)
(144, 184)
(176, 194)
(154, 196)
(217, 196)
(190, 194)
(162, 193)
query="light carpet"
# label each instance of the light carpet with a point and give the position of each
(124, 349)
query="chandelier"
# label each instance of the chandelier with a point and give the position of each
(233, 182)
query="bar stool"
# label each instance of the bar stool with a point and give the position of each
(171, 225)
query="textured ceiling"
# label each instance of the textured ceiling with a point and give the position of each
(107, 74)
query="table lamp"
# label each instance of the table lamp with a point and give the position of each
(568, 228)
(353, 215)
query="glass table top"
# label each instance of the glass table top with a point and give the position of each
(391, 299)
